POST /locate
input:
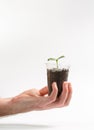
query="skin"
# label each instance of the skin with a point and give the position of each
(36, 100)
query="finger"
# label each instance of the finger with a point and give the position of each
(43, 91)
(53, 95)
(54, 92)
(63, 96)
(69, 94)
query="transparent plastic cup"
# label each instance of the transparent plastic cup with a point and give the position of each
(58, 75)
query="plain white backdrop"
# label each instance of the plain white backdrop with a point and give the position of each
(32, 31)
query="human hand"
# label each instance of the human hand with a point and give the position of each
(34, 99)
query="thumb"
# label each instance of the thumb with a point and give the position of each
(43, 91)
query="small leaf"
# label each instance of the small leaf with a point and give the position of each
(51, 59)
(60, 57)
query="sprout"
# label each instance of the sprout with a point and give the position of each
(56, 60)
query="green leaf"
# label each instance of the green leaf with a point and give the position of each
(51, 59)
(60, 57)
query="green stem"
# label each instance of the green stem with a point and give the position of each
(57, 63)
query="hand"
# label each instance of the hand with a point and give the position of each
(34, 99)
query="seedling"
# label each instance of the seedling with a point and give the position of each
(56, 60)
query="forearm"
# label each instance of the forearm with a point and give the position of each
(6, 106)
(16, 105)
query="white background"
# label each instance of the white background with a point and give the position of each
(32, 31)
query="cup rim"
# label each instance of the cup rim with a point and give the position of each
(60, 66)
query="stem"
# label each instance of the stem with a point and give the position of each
(57, 63)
